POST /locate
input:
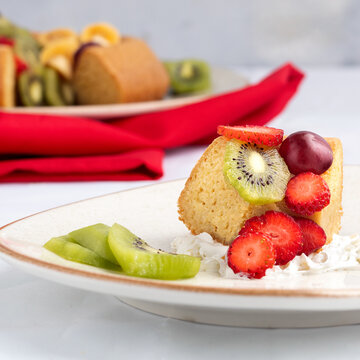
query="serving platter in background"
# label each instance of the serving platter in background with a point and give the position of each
(223, 80)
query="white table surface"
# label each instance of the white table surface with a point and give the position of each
(43, 320)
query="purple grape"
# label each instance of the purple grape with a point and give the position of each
(306, 151)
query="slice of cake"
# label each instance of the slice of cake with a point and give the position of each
(210, 203)
(126, 72)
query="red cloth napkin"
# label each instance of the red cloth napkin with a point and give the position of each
(57, 148)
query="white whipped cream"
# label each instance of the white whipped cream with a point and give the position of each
(343, 253)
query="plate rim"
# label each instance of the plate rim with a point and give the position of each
(164, 284)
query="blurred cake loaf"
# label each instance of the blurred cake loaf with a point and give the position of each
(7, 77)
(210, 204)
(126, 72)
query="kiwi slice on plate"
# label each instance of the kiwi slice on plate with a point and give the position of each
(95, 238)
(30, 89)
(67, 248)
(58, 91)
(137, 258)
(189, 76)
(259, 174)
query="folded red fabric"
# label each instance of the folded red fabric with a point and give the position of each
(58, 148)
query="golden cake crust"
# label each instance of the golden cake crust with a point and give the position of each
(209, 204)
(123, 73)
(7, 77)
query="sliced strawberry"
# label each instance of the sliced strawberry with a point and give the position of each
(260, 135)
(251, 254)
(20, 65)
(6, 41)
(314, 236)
(283, 231)
(307, 193)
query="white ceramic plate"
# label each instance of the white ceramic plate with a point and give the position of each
(151, 212)
(223, 80)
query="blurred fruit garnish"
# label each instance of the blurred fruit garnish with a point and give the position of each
(188, 76)
(102, 33)
(59, 55)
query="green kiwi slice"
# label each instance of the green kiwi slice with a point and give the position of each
(58, 92)
(30, 89)
(259, 174)
(137, 258)
(95, 238)
(189, 76)
(67, 248)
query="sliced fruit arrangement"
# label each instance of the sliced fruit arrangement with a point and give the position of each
(30, 89)
(67, 248)
(59, 49)
(56, 34)
(259, 174)
(137, 258)
(251, 253)
(287, 236)
(58, 91)
(257, 164)
(117, 249)
(188, 76)
(283, 231)
(307, 193)
(259, 135)
(59, 55)
(314, 236)
(44, 61)
(101, 33)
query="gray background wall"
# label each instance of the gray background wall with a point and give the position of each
(225, 32)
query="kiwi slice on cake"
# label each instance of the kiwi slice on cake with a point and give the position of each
(259, 174)
(67, 248)
(188, 76)
(137, 258)
(58, 92)
(95, 238)
(30, 89)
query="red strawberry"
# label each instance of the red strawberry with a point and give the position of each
(6, 41)
(283, 231)
(314, 236)
(307, 193)
(20, 65)
(251, 254)
(260, 135)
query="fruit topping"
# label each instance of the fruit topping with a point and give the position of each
(95, 238)
(58, 91)
(259, 175)
(68, 249)
(314, 236)
(54, 35)
(284, 233)
(307, 193)
(30, 89)
(101, 33)
(59, 55)
(188, 76)
(137, 258)
(260, 135)
(6, 41)
(305, 151)
(20, 65)
(251, 254)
